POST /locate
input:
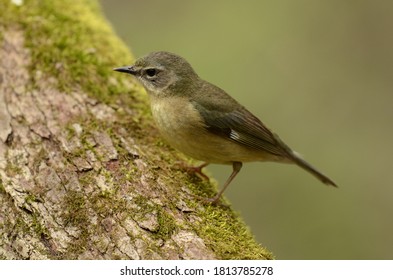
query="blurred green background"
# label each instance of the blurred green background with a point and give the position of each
(320, 73)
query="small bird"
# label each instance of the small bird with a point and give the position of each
(202, 121)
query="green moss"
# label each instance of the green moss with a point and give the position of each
(21, 226)
(71, 41)
(167, 225)
(12, 169)
(38, 228)
(85, 179)
(31, 198)
(228, 236)
(76, 214)
(2, 189)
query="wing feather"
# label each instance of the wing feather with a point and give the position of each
(243, 127)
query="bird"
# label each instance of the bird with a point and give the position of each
(204, 122)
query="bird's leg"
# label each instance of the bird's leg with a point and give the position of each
(196, 170)
(236, 168)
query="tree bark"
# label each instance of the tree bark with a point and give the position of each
(83, 172)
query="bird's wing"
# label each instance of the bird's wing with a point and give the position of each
(241, 126)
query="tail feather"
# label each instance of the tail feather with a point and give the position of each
(296, 158)
(308, 167)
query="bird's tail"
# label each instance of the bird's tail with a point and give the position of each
(308, 167)
(296, 158)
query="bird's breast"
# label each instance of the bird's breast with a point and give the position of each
(178, 122)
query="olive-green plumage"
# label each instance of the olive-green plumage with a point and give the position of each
(204, 122)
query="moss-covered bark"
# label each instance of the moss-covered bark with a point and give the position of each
(83, 172)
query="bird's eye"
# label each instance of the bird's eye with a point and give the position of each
(151, 72)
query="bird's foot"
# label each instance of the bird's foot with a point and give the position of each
(195, 169)
(215, 200)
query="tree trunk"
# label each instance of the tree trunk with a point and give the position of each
(83, 171)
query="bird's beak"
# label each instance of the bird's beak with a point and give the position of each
(127, 69)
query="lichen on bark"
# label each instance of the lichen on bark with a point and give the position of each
(83, 171)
